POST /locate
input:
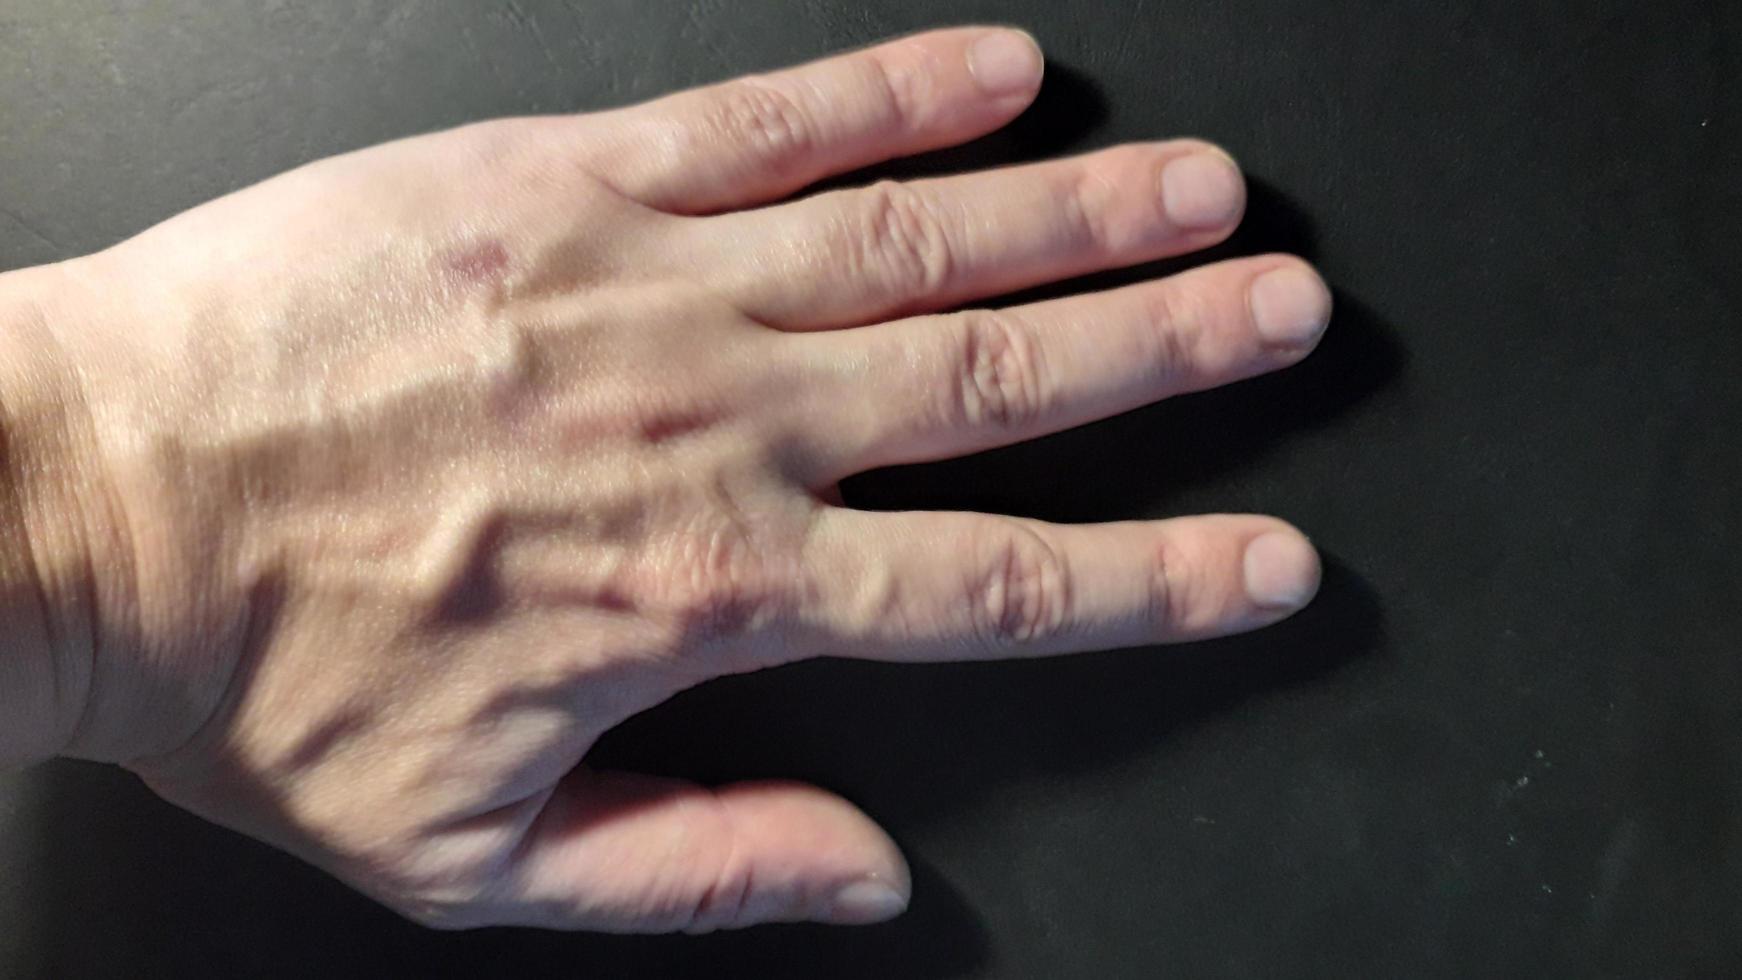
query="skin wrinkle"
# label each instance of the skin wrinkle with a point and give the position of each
(72, 527)
(34, 596)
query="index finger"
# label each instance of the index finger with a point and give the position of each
(761, 137)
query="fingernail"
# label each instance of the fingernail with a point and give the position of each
(866, 901)
(1201, 190)
(1282, 570)
(1005, 63)
(1290, 306)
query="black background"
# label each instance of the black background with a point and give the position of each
(1506, 740)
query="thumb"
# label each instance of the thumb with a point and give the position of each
(623, 852)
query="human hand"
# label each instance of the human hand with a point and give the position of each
(428, 464)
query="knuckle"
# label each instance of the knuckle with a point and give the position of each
(519, 155)
(723, 903)
(1169, 596)
(492, 143)
(905, 85)
(1023, 596)
(1097, 203)
(1000, 380)
(765, 119)
(1175, 320)
(903, 239)
(706, 883)
(720, 588)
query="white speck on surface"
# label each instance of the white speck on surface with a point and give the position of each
(1539, 753)
(1523, 781)
(1203, 819)
(1511, 839)
(1547, 890)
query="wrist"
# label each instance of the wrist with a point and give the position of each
(103, 659)
(47, 590)
(132, 524)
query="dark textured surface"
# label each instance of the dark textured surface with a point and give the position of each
(1507, 741)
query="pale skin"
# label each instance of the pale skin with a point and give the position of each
(349, 510)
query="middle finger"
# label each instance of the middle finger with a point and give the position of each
(932, 387)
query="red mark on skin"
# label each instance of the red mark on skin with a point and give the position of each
(664, 427)
(616, 427)
(481, 263)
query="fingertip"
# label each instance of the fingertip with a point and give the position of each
(1006, 62)
(1290, 305)
(885, 888)
(867, 901)
(1202, 188)
(838, 865)
(1282, 570)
